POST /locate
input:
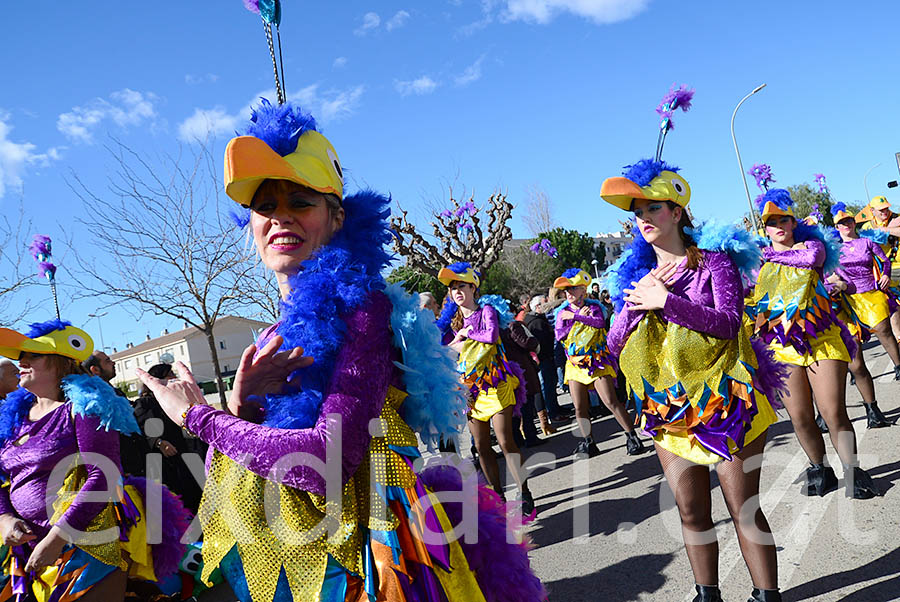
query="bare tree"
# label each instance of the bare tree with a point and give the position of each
(165, 245)
(458, 235)
(17, 271)
(538, 217)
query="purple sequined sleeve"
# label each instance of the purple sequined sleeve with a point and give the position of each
(356, 394)
(813, 256)
(489, 331)
(6, 506)
(93, 439)
(624, 322)
(723, 318)
(593, 318)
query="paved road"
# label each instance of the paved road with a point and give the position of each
(608, 530)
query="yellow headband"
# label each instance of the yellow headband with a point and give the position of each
(314, 164)
(446, 276)
(667, 186)
(69, 342)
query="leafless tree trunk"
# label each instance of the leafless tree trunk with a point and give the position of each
(538, 217)
(17, 271)
(163, 244)
(458, 234)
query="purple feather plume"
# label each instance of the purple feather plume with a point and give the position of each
(252, 6)
(762, 173)
(771, 376)
(176, 519)
(675, 98)
(823, 187)
(40, 246)
(512, 580)
(46, 270)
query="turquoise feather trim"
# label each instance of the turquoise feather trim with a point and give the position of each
(828, 237)
(502, 307)
(877, 236)
(435, 406)
(93, 396)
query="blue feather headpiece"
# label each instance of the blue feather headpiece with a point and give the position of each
(39, 329)
(777, 201)
(643, 172)
(279, 126)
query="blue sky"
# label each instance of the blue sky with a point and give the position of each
(480, 94)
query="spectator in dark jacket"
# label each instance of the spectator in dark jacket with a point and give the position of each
(168, 438)
(519, 343)
(537, 323)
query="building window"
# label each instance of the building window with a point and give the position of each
(221, 344)
(170, 351)
(127, 364)
(181, 349)
(148, 359)
(225, 368)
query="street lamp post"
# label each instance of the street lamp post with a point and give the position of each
(99, 327)
(738, 153)
(594, 263)
(865, 183)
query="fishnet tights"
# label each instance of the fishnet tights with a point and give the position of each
(739, 480)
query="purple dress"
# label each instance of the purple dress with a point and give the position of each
(862, 304)
(858, 256)
(48, 441)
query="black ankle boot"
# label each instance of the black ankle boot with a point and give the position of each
(874, 418)
(586, 449)
(633, 444)
(765, 595)
(820, 422)
(820, 479)
(858, 484)
(896, 372)
(708, 593)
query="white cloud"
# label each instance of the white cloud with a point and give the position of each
(326, 106)
(420, 86)
(471, 74)
(124, 108)
(370, 21)
(340, 62)
(16, 157)
(397, 21)
(207, 123)
(193, 80)
(599, 11)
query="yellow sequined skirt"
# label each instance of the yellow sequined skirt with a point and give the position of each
(871, 308)
(586, 376)
(827, 346)
(495, 399)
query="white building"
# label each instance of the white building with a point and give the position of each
(232, 334)
(614, 243)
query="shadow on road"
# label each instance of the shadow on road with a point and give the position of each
(884, 566)
(623, 581)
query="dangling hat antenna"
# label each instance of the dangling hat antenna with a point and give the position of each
(41, 251)
(675, 98)
(270, 11)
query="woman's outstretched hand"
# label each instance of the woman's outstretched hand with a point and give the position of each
(264, 373)
(176, 395)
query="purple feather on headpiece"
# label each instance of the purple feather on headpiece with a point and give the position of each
(675, 98)
(823, 187)
(40, 246)
(46, 270)
(544, 246)
(252, 6)
(762, 173)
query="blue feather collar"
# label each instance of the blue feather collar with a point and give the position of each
(333, 283)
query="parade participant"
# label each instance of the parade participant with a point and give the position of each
(581, 326)
(347, 351)
(865, 305)
(792, 314)
(703, 392)
(878, 216)
(66, 544)
(471, 326)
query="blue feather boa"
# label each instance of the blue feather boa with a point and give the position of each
(639, 258)
(828, 237)
(333, 283)
(877, 236)
(502, 307)
(89, 396)
(435, 406)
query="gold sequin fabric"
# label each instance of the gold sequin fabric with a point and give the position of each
(233, 513)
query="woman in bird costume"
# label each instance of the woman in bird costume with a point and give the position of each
(82, 536)
(703, 392)
(792, 314)
(581, 326)
(861, 284)
(878, 217)
(471, 326)
(311, 492)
